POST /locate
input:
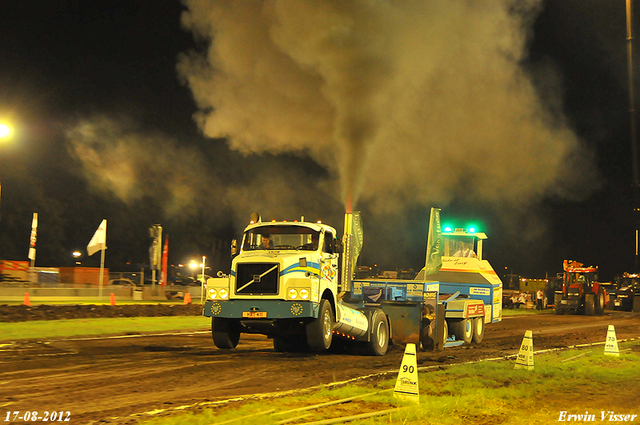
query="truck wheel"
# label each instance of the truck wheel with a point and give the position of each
(589, 304)
(462, 329)
(225, 332)
(557, 304)
(320, 331)
(427, 336)
(379, 341)
(478, 329)
(599, 301)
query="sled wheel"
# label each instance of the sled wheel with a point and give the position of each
(463, 330)
(478, 329)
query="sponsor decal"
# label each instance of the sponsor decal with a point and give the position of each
(480, 291)
(475, 309)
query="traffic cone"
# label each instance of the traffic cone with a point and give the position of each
(26, 301)
(611, 345)
(187, 298)
(525, 355)
(113, 299)
(407, 382)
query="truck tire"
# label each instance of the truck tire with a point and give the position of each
(589, 304)
(320, 331)
(599, 301)
(225, 332)
(557, 304)
(478, 330)
(462, 329)
(379, 341)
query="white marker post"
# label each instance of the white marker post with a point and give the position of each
(407, 382)
(611, 345)
(525, 355)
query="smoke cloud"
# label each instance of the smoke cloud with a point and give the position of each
(409, 102)
(403, 105)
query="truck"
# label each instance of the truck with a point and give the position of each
(625, 293)
(293, 281)
(581, 292)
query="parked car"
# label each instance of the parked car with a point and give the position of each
(124, 282)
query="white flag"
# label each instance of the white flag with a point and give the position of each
(99, 240)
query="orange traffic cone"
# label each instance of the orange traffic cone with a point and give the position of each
(187, 298)
(113, 299)
(26, 302)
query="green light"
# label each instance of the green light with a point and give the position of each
(447, 229)
(472, 230)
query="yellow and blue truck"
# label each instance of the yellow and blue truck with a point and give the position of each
(293, 281)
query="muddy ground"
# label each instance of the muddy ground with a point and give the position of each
(116, 380)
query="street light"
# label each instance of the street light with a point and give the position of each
(5, 131)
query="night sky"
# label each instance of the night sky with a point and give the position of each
(510, 115)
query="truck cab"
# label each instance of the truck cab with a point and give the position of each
(284, 276)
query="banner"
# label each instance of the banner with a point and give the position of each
(357, 239)
(99, 240)
(165, 255)
(434, 243)
(34, 234)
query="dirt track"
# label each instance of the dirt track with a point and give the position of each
(107, 380)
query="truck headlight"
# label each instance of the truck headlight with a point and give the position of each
(292, 294)
(223, 293)
(211, 293)
(304, 294)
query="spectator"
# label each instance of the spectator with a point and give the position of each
(539, 299)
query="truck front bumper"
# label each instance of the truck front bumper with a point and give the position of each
(260, 309)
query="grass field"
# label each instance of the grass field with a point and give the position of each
(563, 383)
(82, 327)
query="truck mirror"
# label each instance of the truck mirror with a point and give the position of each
(337, 246)
(234, 247)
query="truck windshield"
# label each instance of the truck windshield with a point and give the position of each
(281, 238)
(459, 246)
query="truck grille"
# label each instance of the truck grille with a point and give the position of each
(261, 278)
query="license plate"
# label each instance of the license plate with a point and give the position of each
(254, 314)
(617, 303)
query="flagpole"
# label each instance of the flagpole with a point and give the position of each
(203, 281)
(101, 273)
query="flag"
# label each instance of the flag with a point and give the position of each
(34, 234)
(434, 243)
(99, 240)
(165, 255)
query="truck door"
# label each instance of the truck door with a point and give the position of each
(329, 262)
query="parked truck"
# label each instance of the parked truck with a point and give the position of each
(625, 293)
(581, 291)
(293, 281)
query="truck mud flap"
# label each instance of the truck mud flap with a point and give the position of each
(405, 319)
